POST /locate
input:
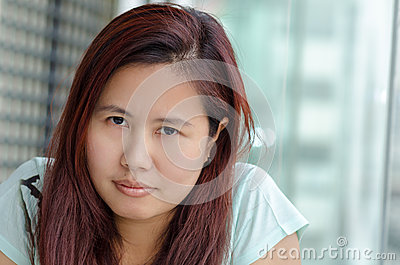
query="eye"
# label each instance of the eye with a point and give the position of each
(118, 121)
(168, 130)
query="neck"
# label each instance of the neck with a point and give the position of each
(140, 237)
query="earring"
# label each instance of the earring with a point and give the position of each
(208, 161)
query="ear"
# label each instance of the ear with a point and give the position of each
(221, 126)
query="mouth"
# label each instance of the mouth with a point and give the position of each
(132, 184)
(134, 191)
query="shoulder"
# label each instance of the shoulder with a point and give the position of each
(262, 214)
(253, 186)
(19, 195)
(23, 187)
(251, 179)
(31, 170)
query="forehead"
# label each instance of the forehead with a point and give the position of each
(127, 89)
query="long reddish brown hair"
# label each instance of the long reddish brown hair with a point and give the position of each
(75, 226)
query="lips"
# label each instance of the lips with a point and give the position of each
(131, 184)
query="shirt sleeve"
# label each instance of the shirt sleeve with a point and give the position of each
(265, 216)
(13, 237)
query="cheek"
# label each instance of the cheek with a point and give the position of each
(175, 182)
(180, 163)
(184, 152)
(193, 147)
(102, 153)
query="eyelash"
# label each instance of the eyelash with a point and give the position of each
(165, 127)
(175, 130)
(113, 117)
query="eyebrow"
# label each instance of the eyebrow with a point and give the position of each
(175, 121)
(115, 108)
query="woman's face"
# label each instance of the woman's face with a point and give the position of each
(143, 147)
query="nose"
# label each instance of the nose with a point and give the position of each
(135, 152)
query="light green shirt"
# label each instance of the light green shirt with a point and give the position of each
(262, 215)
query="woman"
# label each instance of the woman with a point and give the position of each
(143, 164)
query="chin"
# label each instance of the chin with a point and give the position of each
(135, 214)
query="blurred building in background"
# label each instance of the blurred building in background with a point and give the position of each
(41, 42)
(326, 67)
